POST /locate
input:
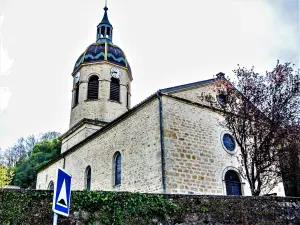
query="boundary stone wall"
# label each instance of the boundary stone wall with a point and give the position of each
(100, 208)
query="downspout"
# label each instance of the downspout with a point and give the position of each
(64, 157)
(64, 162)
(162, 145)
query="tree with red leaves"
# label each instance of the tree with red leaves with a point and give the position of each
(262, 112)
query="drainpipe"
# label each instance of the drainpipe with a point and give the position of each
(162, 145)
(64, 162)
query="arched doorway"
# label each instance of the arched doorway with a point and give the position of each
(233, 183)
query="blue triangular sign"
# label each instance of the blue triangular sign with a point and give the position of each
(62, 193)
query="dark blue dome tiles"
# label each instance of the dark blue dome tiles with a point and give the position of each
(96, 52)
(79, 61)
(115, 54)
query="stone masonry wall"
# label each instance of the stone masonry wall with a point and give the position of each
(80, 134)
(194, 94)
(46, 176)
(196, 161)
(106, 208)
(136, 138)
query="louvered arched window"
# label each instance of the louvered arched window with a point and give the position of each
(76, 97)
(93, 88)
(118, 168)
(88, 176)
(115, 89)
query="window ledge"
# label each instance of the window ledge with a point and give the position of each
(117, 187)
(114, 101)
(91, 100)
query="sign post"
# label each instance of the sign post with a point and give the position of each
(62, 194)
(55, 219)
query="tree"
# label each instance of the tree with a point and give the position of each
(22, 148)
(2, 161)
(25, 170)
(49, 135)
(262, 113)
(6, 176)
(31, 140)
(10, 157)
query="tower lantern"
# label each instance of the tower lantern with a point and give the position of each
(104, 29)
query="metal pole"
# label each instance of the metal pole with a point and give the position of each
(55, 219)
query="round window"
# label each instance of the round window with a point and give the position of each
(228, 142)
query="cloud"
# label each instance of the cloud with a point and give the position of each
(5, 67)
(5, 61)
(4, 98)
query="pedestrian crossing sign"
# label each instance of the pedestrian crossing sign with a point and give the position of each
(62, 193)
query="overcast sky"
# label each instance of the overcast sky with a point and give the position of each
(167, 43)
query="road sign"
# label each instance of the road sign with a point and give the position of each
(62, 193)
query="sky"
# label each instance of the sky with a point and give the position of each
(167, 43)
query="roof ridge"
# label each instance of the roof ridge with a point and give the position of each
(178, 87)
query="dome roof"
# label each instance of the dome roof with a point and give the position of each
(102, 51)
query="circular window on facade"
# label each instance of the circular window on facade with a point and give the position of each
(228, 142)
(221, 98)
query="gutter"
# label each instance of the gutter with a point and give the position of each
(162, 144)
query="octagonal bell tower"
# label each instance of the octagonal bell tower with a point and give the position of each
(101, 80)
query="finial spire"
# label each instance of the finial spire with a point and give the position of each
(104, 29)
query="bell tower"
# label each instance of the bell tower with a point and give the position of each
(101, 80)
(101, 86)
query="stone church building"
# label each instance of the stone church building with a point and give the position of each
(169, 143)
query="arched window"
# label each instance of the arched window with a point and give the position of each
(233, 183)
(76, 97)
(115, 89)
(93, 88)
(107, 32)
(88, 178)
(102, 31)
(118, 169)
(51, 186)
(221, 98)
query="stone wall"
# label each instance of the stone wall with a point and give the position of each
(105, 208)
(78, 135)
(136, 138)
(46, 176)
(196, 161)
(194, 94)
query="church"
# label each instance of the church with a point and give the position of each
(169, 143)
